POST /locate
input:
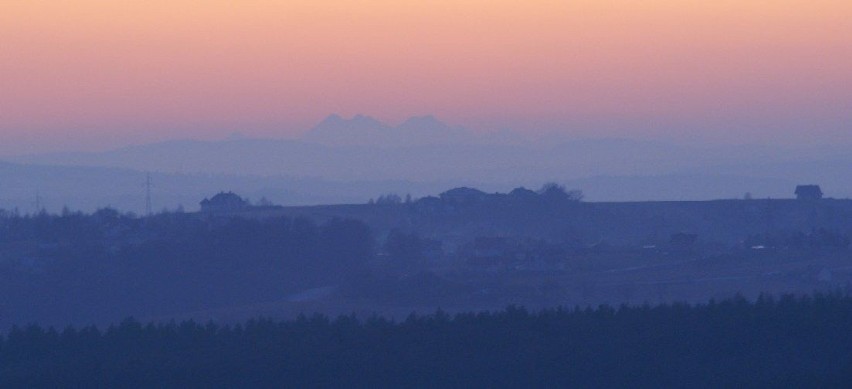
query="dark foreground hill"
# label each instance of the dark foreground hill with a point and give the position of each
(791, 342)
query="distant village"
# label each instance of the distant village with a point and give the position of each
(463, 245)
(434, 231)
(226, 202)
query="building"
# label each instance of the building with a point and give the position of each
(808, 192)
(224, 202)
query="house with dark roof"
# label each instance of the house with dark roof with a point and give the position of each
(224, 202)
(808, 192)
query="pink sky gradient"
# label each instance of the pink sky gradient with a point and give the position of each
(99, 73)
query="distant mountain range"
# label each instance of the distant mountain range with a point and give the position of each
(350, 160)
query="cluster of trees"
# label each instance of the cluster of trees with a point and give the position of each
(789, 342)
(75, 267)
(390, 199)
(550, 192)
(554, 191)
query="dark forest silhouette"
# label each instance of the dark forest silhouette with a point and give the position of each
(733, 343)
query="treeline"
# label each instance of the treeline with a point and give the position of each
(789, 342)
(76, 268)
(548, 194)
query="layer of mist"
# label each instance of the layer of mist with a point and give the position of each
(352, 160)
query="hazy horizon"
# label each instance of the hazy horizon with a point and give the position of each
(352, 159)
(93, 75)
(503, 135)
(705, 100)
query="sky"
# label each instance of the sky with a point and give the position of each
(89, 74)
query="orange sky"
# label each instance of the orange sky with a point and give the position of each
(124, 71)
